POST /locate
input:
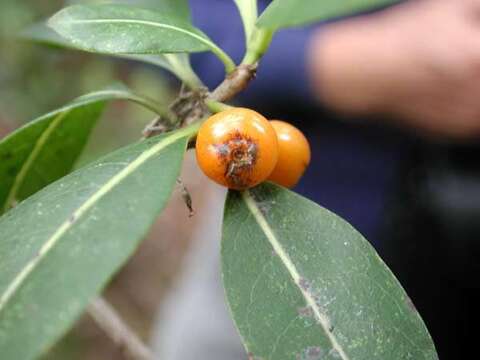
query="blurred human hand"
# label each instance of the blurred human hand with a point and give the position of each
(418, 62)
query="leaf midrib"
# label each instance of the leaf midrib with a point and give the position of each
(27, 165)
(86, 100)
(59, 115)
(292, 270)
(83, 208)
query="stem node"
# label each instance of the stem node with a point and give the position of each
(235, 82)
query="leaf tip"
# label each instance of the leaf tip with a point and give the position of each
(61, 20)
(55, 21)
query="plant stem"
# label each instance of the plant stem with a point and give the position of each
(152, 105)
(184, 71)
(225, 58)
(258, 45)
(249, 13)
(234, 83)
(109, 321)
(216, 106)
(237, 79)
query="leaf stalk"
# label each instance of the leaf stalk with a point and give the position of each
(258, 45)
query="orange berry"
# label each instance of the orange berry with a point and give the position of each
(293, 154)
(237, 148)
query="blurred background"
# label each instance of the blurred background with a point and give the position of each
(394, 125)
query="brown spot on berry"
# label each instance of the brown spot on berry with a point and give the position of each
(237, 148)
(238, 154)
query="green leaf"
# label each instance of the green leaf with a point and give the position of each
(61, 246)
(178, 64)
(41, 33)
(288, 13)
(248, 12)
(123, 29)
(45, 149)
(179, 8)
(303, 284)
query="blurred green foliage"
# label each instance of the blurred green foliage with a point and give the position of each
(35, 79)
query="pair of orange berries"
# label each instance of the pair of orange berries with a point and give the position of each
(239, 148)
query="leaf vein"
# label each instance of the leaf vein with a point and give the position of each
(147, 23)
(31, 158)
(292, 270)
(19, 279)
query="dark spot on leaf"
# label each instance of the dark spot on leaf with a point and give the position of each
(306, 312)
(314, 352)
(304, 284)
(264, 208)
(7, 156)
(72, 219)
(311, 353)
(12, 171)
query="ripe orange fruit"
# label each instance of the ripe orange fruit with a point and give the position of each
(293, 154)
(237, 148)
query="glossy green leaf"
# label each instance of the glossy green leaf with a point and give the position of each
(123, 29)
(179, 8)
(287, 13)
(178, 64)
(303, 284)
(61, 246)
(248, 12)
(45, 149)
